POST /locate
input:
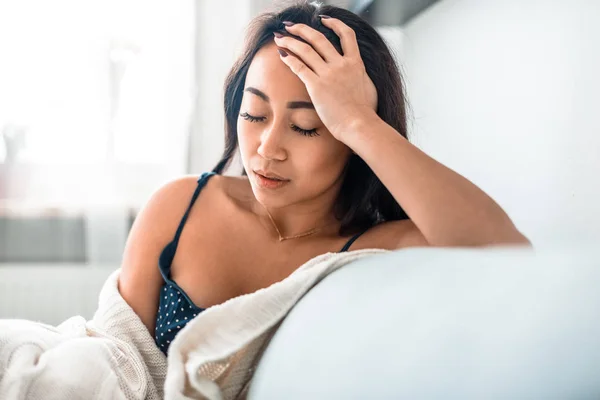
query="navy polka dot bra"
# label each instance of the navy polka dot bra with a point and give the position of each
(175, 308)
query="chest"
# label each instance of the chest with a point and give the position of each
(229, 260)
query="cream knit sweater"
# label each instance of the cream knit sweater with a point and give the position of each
(113, 356)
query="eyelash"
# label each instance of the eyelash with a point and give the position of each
(305, 132)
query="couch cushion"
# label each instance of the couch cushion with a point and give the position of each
(443, 323)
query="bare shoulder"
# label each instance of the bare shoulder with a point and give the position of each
(160, 215)
(153, 229)
(178, 192)
(169, 203)
(391, 235)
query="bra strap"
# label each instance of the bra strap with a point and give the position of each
(352, 239)
(201, 182)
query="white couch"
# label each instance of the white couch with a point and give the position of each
(443, 324)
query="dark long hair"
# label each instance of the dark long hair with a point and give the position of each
(363, 200)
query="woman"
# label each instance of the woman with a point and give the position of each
(315, 106)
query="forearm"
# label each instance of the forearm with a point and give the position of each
(446, 207)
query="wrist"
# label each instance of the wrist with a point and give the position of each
(358, 127)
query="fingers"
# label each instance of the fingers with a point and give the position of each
(313, 56)
(298, 67)
(346, 34)
(316, 39)
(302, 50)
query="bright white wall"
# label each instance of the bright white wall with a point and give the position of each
(507, 93)
(220, 37)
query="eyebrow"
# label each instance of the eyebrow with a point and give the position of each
(291, 105)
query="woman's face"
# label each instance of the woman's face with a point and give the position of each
(280, 134)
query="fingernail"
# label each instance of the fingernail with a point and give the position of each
(324, 16)
(288, 23)
(277, 35)
(282, 53)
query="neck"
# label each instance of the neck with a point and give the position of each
(298, 219)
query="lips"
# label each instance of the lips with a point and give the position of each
(270, 175)
(268, 183)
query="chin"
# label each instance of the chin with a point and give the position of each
(270, 200)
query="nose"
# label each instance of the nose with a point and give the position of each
(271, 144)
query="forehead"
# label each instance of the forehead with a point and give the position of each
(268, 73)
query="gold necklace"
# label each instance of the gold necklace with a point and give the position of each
(307, 233)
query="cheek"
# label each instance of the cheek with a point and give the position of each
(324, 160)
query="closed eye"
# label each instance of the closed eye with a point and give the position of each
(304, 132)
(252, 118)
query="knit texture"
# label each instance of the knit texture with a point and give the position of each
(215, 355)
(113, 356)
(117, 320)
